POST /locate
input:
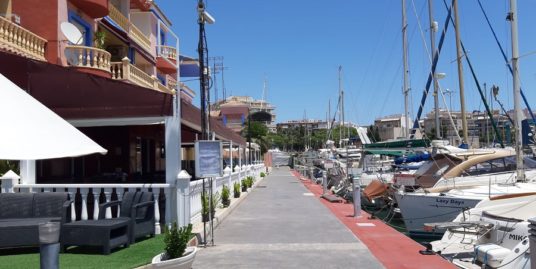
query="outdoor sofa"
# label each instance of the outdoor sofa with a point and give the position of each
(21, 214)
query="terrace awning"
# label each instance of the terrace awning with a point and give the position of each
(31, 131)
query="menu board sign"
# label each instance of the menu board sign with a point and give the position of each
(208, 159)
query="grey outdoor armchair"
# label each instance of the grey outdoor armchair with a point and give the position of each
(138, 208)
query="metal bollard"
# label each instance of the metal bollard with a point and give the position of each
(324, 182)
(49, 248)
(357, 201)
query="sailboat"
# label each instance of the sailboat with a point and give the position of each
(444, 202)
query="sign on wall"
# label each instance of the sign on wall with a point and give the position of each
(208, 158)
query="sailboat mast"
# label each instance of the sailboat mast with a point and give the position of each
(406, 70)
(434, 79)
(517, 91)
(460, 71)
(341, 106)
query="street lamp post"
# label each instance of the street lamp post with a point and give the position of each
(204, 17)
(249, 136)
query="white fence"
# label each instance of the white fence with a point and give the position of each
(229, 178)
(89, 196)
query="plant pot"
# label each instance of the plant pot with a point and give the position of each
(236, 195)
(226, 203)
(244, 189)
(184, 262)
(206, 217)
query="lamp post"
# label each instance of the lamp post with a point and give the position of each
(204, 17)
(249, 136)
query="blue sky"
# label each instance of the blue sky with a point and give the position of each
(298, 45)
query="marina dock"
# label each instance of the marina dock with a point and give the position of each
(285, 224)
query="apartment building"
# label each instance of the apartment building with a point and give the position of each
(234, 111)
(118, 82)
(391, 127)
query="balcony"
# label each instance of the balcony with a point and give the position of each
(125, 71)
(93, 8)
(133, 32)
(89, 59)
(20, 41)
(167, 59)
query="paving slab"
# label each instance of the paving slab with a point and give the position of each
(281, 224)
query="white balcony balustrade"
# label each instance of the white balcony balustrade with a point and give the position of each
(133, 32)
(88, 57)
(124, 70)
(167, 52)
(18, 40)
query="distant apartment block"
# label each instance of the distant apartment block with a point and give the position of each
(234, 111)
(309, 124)
(391, 127)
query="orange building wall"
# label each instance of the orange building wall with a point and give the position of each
(41, 17)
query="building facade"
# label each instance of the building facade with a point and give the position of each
(234, 111)
(391, 127)
(115, 77)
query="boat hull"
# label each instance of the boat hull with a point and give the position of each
(418, 209)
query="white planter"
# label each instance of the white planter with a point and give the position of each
(184, 262)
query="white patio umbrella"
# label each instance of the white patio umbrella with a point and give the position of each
(31, 131)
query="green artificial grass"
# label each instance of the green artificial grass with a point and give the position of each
(136, 255)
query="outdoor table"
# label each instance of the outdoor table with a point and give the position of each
(105, 233)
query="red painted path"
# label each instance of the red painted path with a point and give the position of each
(392, 248)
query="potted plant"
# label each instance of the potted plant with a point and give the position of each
(205, 208)
(263, 174)
(225, 193)
(250, 181)
(214, 203)
(236, 190)
(244, 185)
(177, 254)
(99, 39)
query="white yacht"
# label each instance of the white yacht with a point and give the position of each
(461, 188)
(493, 234)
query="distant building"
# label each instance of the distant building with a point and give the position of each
(479, 126)
(391, 127)
(234, 111)
(309, 124)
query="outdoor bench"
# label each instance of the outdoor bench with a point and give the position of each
(21, 214)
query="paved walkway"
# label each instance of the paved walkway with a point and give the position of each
(281, 225)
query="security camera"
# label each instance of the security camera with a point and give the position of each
(208, 18)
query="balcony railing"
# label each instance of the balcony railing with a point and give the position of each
(18, 40)
(88, 57)
(86, 196)
(124, 70)
(133, 31)
(171, 82)
(167, 52)
(139, 37)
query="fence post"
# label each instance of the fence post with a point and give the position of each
(182, 188)
(227, 173)
(9, 180)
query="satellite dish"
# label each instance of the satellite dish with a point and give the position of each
(71, 33)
